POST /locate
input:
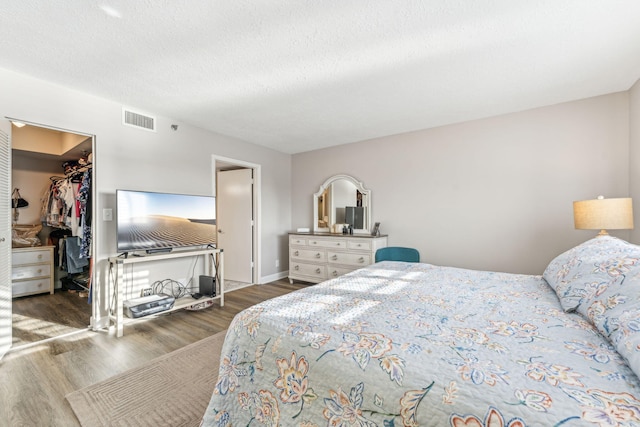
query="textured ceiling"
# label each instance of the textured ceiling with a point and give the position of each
(301, 75)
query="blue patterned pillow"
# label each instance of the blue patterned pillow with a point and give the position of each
(626, 338)
(616, 314)
(587, 270)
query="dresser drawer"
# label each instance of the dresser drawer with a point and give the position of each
(359, 260)
(329, 243)
(311, 270)
(339, 271)
(31, 287)
(359, 244)
(297, 241)
(308, 254)
(30, 271)
(30, 256)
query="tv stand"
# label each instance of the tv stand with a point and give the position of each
(213, 259)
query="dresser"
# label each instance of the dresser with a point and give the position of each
(316, 257)
(32, 270)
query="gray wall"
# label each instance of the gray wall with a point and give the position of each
(634, 157)
(492, 194)
(165, 161)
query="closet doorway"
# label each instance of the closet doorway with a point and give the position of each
(52, 172)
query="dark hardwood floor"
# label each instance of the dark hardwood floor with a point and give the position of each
(35, 380)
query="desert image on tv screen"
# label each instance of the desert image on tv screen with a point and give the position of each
(148, 221)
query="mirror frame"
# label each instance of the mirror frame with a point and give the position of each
(359, 186)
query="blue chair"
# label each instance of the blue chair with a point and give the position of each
(396, 253)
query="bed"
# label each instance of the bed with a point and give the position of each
(413, 344)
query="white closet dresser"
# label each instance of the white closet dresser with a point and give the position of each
(32, 270)
(316, 257)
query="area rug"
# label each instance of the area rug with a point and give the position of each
(171, 390)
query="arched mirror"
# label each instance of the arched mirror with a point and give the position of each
(342, 199)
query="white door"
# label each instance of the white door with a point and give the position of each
(234, 203)
(5, 238)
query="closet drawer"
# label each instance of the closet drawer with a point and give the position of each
(31, 287)
(30, 272)
(308, 255)
(359, 260)
(30, 256)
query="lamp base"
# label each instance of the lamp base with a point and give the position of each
(603, 233)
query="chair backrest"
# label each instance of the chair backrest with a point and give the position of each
(397, 253)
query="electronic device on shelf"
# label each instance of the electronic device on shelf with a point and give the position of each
(158, 222)
(144, 306)
(207, 286)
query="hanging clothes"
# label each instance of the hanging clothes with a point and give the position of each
(85, 202)
(74, 261)
(67, 207)
(67, 203)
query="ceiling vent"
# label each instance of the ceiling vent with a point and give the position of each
(138, 120)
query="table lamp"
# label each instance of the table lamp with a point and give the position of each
(603, 214)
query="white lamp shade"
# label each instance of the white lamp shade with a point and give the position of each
(603, 214)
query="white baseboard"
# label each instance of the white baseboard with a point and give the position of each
(273, 277)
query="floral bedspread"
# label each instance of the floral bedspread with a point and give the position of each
(399, 344)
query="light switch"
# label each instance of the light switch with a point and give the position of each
(107, 214)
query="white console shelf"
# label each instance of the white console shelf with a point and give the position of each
(213, 259)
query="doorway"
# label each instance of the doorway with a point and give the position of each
(52, 170)
(237, 185)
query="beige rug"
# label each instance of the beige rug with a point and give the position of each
(171, 390)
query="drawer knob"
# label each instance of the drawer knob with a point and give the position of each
(39, 270)
(296, 253)
(318, 255)
(359, 244)
(297, 267)
(39, 256)
(338, 244)
(335, 257)
(335, 273)
(317, 270)
(361, 260)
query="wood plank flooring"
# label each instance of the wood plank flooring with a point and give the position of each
(35, 380)
(38, 317)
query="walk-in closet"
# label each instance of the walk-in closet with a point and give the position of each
(51, 177)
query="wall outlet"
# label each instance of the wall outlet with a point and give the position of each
(277, 263)
(146, 292)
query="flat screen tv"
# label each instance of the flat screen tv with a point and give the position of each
(155, 222)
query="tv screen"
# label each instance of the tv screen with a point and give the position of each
(147, 221)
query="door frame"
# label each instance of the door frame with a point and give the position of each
(218, 161)
(95, 224)
(6, 304)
